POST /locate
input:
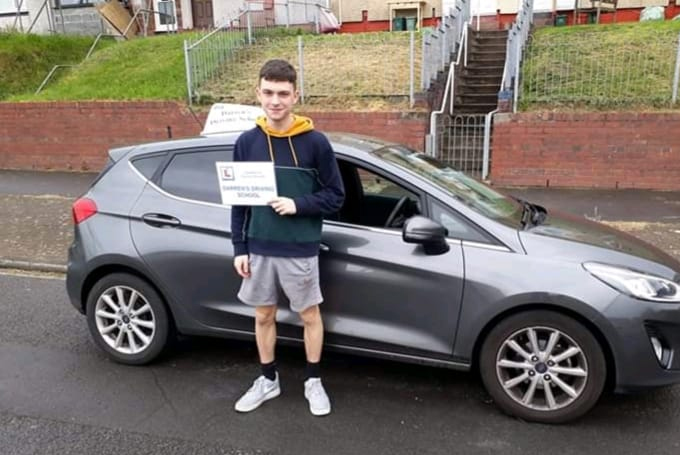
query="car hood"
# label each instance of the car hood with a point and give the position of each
(612, 245)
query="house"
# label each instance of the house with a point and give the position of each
(81, 16)
(383, 15)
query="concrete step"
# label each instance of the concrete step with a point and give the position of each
(480, 79)
(486, 60)
(478, 108)
(489, 33)
(486, 89)
(486, 54)
(473, 47)
(470, 99)
(483, 69)
(487, 41)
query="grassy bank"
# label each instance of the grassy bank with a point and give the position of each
(140, 69)
(26, 59)
(613, 66)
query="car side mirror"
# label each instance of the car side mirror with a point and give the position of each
(426, 232)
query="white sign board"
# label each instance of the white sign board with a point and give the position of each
(230, 118)
(246, 182)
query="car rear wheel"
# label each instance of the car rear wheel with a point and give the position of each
(127, 319)
(543, 366)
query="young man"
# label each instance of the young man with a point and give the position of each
(277, 246)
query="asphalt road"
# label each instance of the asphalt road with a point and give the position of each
(59, 394)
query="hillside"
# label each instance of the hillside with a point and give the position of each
(25, 60)
(613, 66)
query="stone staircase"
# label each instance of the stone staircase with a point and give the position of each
(478, 84)
(476, 94)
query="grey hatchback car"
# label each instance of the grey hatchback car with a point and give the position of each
(422, 264)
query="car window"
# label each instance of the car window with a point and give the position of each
(456, 225)
(147, 165)
(476, 195)
(371, 199)
(193, 175)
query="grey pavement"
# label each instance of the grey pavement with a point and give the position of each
(36, 224)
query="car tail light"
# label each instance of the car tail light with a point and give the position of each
(82, 209)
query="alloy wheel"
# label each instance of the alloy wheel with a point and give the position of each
(542, 368)
(125, 320)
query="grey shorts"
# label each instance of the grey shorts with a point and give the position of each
(298, 278)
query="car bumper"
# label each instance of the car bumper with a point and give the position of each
(635, 323)
(75, 276)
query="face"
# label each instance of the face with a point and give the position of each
(277, 99)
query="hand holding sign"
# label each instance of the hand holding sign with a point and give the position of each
(284, 206)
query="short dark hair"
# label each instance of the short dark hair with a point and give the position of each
(278, 70)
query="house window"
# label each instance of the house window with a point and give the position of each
(72, 3)
(10, 6)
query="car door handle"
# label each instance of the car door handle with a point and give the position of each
(324, 247)
(160, 220)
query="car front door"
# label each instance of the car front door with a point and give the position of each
(382, 294)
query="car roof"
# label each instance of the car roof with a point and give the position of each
(346, 143)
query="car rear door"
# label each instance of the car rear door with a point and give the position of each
(181, 231)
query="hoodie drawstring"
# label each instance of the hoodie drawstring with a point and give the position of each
(292, 149)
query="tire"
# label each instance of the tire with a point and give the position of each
(135, 335)
(537, 385)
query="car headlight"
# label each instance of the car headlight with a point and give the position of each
(639, 285)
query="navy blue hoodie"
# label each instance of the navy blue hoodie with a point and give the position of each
(307, 172)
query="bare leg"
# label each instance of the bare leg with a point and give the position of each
(265, 332)
(311, 318)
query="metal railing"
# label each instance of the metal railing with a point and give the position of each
(146, 12)
(384, 68)
(464, 140)
(441, 43)
(211, 55)
(517, 41)
(460, 52)
(461, 139)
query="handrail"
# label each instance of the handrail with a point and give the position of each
(49, 75)
(517, 38)
(431, 146)
(463, 44)
(676, 74)
(486, 151)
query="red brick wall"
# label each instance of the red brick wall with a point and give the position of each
(405, 128)
(587, 150)
(76, 135)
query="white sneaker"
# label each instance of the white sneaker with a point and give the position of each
(262, 390)
(319, 404)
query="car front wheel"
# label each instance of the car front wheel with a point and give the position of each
(127, 319)
(543, 366)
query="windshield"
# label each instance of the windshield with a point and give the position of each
(472, 193)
